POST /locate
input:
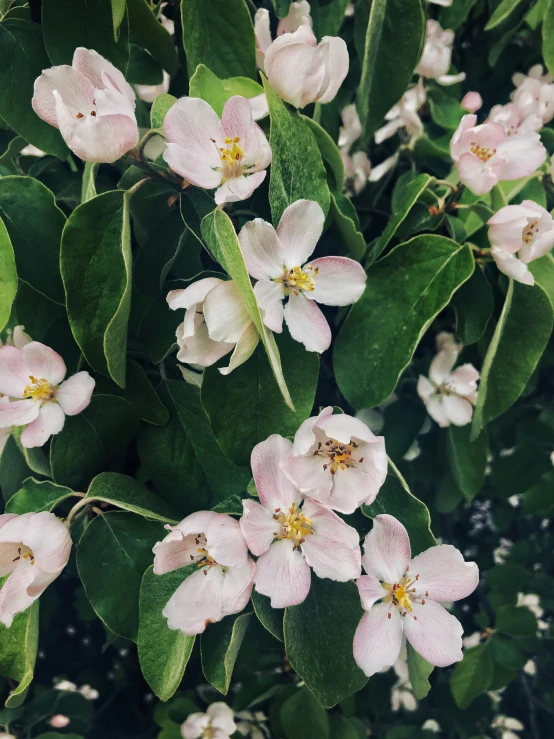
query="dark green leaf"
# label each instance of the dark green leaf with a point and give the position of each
(473, 305)
(158, 254)
(88, 190)
(160, 106)
(13, 468)
(539, 498)
(515, 621)
(503, 12)
(18, 652)
(548, 37)
(219, 647)
(139, 392)
(467, 459)
(419, 671)
(271, 618)
(471, 676)
(127, 493)
(8, 276)
(403, 421)
(346, 220)
(35, 496)
(302, 717)
(148, 33)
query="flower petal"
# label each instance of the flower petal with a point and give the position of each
(225, 542)
(444, 574)
(512, 266)
(225, 313)
(74, 394)
(274, 488)
(14, 597)
(434, 633)
(283, 575)
(435, 408)
(370, 590)
(351, 487)
(333, 550)
(258, 526)
(101, 72)
(222, 717)
(50, 541)
(337, 62)
(464, 379)
(262, 250)
(458, 410)
(442, 364)
(195, 127)
(199, 348)
(197, 602)
(193, 294)
(175, 551)
(339, 281)
(196, 168)
(306, 472)
(378, 639)
(14, 375)
(296, 71)
(237, 121)
(425, 388)
(243, 350)
(237, 587)
(299, 230)
(43, 362)
(75, 89)
(307, 324)
(18, 412)
(479, 177)
(344, 428)
(386, 549)
(305, 437)
(239, 188)
(270, 295)
(50, 421)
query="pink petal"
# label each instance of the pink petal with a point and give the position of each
(444, 574)
(512, 266)
(344, 428)
(14, 375)
(370, 590)
(458, 410)
(193, 294)
(14, 597)
(339, 281)
(333, 550)
(244, 349)
(307, 324)
(471, 101)
(350, 489)
(274, 488)
(386, 549)
(262, 250)
(262, 31)
(101, 72)
(337, 62)
(225, 542)
(458, 143)
(50, 541)
(295, 71)
(49, 422)
(269, 296)
(283, 575)
(195, 127)
(306, 472)
(237, 120)
(442, 364)
(434, 633)
(237, 587)
(425, 388)
(464, 379)
(225, 313)
(258, 527)
(522, 154)
(43, 362)
(305, 437)
(18, 412)
(299, 230)
(378, 639)
(195, 523)
(174, 552)
(479, 177)
(74, 394)
(75, 89)
(239, 188)
(196, 168)
(197, 602)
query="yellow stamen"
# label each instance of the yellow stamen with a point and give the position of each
(300, 278)
(294, 524)
(530, 231)
(38, 389)
(481, 152)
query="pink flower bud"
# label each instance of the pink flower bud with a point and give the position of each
(472, 101)
(59, 721)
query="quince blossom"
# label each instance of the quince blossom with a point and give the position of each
(216, 723)
(486, 155)
(535, 93)
(404, 115)
(471, 101)
(410, 592)
(519, 234)
(337, 460)
(216, 323)
(277, 259)
(34, 549)
(223, 581)
(289, 536)
(437, 55)
(32, 378)
(149, 93)
(513, 120)
(448, 395)
(230, 154)
(299, 15)
(92, 105)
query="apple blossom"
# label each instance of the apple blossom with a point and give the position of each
(357, 172)
(216, 723)
(223, 581)
(511, 117)
(486, 155)
(277, 259)
(448, 395)
(17, 337)
(471, 102)
(404, 115)
(4, 432)
(32, 377)
(216, 322)
(92, 105)
(59, 721)
(402, 694)
(301, 71)
(34, 549)
(337, 460)
(410, 592)
(149, 93)
(299, 15)
(519, 234)
(437, 55)
(351, 128)
(289, 536)
(230, 154)
(535, 93)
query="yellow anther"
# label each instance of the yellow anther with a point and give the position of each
(299, 278)
(482, 152)
(38, 389)
(294, 524)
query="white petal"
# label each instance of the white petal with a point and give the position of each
(458, 410)
(74, 394)
(225, 313)
(378, 639)
(258, 526)
(101, 72)
(386, 549)
(194, 126)
(74, 88)
(296, 71)
(50, 421)
(370, 590)
(512, 266)
(335, 57)
(339, 281)
(18, 412)
(269, 295)
(299, 230)
(274, 488)
(262, 250)
(333, 550)
(434, 633)
(283, 575)
(197, 601)
(442, 364)
(444, 574)
(225, 542)
(244, 349)
(307, 324)
(193, 294)
(239, 188)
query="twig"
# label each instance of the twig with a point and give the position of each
(531, 704)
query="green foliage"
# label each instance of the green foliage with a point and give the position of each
(219, 647)
(8, 275)
(18, 652)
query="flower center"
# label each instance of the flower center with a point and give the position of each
(300, 278)
(337, 456)
(209, 732)
(80, 115)
(294, 525)
(403, 594)
(38, 389)
(530, 231)
(23, 552)
(202, 559)
(231, 156)
(482, 152)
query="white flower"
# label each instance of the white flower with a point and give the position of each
(216, 723)
(149, 93)
(535, 93)
(507, 726)
(431, 724)
(472, 640)
(404, 115)
(351, 128)
(471, 102)
(530, 601)
(59, 721)
(299, 15)
(513, 120)
(437, 55)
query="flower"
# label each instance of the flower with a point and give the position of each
(277, 260)
(17, 337)
(216, 322)
(289, 535)
(92, 105)
(471, 101)
(444, 3)
(351, 128)
(409, 591)
(402, 694)
(448, 395)
(59, 721)
(33, 375)
(149, 93)
(437, 55)
(511, 117)
(34, 549)
(337, 460)
(525, 230)
(507, 726)
(358, 171)
(223, 581)
(216, 723)
(298, 15)
(404, 115)
(486, 155)
(301, 71)
(535, 93)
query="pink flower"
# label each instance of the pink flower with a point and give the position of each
(437, 55)
(486, 155)
(17, 337)
(216, 322)
(216, 723)
(513, 120)
(34, 549)
(59, 721)
(534, 95)
(409, 591)
(92, 105)
(298, 15)
(149, 93)
(277, 259)
(289, 536)
(230, 154)
(449, 395)
(525, 230)
(34, 376)
(337, 460)
(223, 582)
(472, 101)
(404, 115)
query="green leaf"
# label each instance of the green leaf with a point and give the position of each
(471, 676)
(18, 652)
(219, 647)
(515, 621)
(148, 33)
(88, 440)
(34, 223)
(473, 305)
(343, 728)
(68, 24)
(543, 271)
(219, 34)
(21, 42)
(219, 233)
(405, 200)
(163, 652)
(403, 421)
(245, 407)
(302, 717)
(157, 255)
(547, 38)
(159, 109)
(13, 468)
(231, 505)
(96, 271)
(318, 640)
(426, 271)
(503, 12)
(329, 151)
(467, 459)
(35, 496)
(118, 14)
(127, 493)
(539, 498)
(281, 7)
(88, 190)
(215, 91)
(138, 391)
(393, 42)
(525, 323)
(346, 220)
(419, 671)
(396, 499)
(113, 554)
(8, 275)
(297, 170)
(331, 17)
(271, 618)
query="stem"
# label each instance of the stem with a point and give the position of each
(77, 507)
(446, 183)
(136, 186)
(531, 704)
